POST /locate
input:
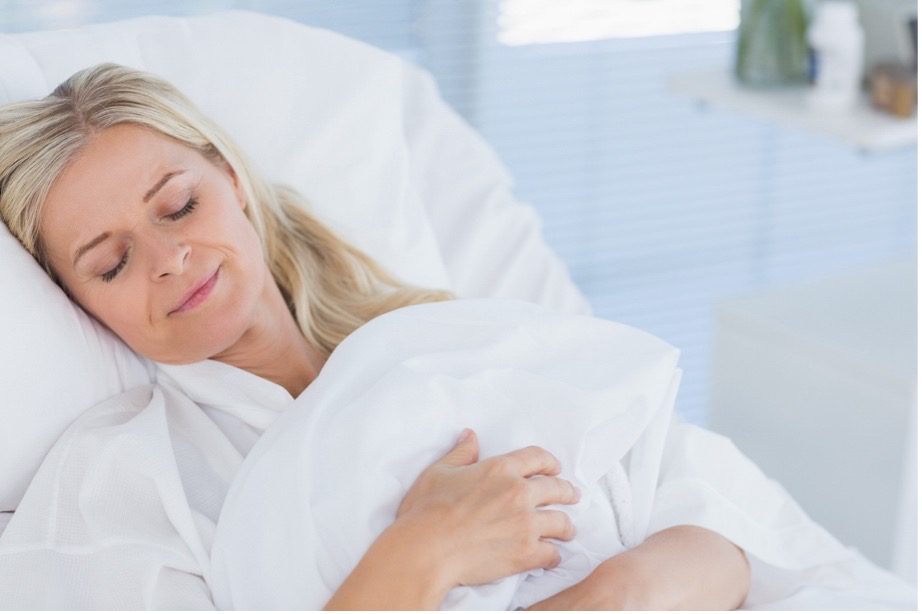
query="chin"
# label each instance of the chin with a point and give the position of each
(190, 344)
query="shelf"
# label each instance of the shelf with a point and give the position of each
(863, 127)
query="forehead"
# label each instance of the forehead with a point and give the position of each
(112, 171)
(118, 163)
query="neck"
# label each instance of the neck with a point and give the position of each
(273, 346)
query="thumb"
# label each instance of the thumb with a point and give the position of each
(465, 452)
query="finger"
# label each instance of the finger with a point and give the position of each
(545, 490)
(553, 524)
(533, 460)
(465, 452)
(547, 555)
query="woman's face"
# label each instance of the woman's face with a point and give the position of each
(135, 224)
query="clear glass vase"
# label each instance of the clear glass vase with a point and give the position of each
(771, 47)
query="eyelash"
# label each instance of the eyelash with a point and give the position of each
(190, 205)
(186, 210)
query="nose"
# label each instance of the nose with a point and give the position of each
(169, 256)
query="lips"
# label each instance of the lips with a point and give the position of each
(197, 294)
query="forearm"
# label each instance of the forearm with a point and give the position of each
(680, 568)
(397, 573)
(683, 567)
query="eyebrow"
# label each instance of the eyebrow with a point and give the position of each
(150, 194)
(159, 184)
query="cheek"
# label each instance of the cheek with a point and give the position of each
(124, 307)
(246, 244)
(122, 310)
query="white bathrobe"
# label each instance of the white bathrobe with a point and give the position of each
(147, 501)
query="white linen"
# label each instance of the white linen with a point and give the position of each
(491, 243)
(51, 350)
(327, 477)
(124, 512)
(123, 509)
(105, 523)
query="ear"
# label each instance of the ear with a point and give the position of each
(238, 188)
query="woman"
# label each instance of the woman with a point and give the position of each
(147, 215)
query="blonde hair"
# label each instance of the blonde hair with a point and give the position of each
(331, 287)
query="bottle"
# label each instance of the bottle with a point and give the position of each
(771, 45)
(838, 43)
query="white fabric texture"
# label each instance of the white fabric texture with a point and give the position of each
(361, 133)
(105, 523)
(52, 350)
(329, 474)
(124, 511)
(490, 242)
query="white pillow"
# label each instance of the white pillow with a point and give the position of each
(309, 107)
(491, 243)
(56, 362)
(361, 133)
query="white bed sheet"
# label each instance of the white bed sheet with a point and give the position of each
(124, 513)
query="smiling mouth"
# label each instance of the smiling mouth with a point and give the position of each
(199, 296)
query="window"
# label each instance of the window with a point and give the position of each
(528, 22)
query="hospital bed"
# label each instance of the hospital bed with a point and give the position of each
(312, 109)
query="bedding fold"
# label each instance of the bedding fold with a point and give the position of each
(105, 523)
(328, 476)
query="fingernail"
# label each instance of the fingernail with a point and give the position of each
(465, 435)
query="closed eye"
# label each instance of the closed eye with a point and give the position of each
(110, 275)
(190, 205)
(186, 210)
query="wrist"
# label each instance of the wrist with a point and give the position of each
(421, 545)
(398, 572)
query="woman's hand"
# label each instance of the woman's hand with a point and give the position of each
(463, 522)
(483, 518)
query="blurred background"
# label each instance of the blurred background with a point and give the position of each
(698, 188)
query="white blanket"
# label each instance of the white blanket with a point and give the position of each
(124, 512)
(328, 475)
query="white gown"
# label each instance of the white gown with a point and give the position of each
(127, 508)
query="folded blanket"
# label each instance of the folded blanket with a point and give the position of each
(128, 511)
